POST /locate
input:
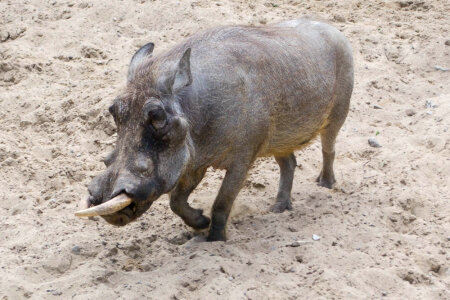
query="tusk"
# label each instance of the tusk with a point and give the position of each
(107, 208)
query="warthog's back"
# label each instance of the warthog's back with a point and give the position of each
(271, 86)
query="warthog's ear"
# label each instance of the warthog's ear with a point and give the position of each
(179, 77)
(144, 52)
(183, 75)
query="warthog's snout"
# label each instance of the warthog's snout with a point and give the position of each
(118, 203)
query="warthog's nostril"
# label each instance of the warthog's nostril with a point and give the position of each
(125, 183)
(128, 190)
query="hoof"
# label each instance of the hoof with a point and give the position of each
(197, 220)
(324, 182)
(281, 206)
(216, 236)
(202, 222)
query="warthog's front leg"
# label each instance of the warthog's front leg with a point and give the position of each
(229, 190)
(179, 197)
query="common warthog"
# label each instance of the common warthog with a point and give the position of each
(223, 98)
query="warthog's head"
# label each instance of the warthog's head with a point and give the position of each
(152, 149)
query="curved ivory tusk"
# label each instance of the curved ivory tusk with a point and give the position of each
(107, 208)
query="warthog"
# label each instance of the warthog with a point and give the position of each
(223, 98)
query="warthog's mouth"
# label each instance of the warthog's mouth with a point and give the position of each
(119, 211)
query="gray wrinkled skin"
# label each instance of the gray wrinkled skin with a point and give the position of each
(223, 98)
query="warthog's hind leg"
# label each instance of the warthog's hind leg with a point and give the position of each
(326, 177)
(341, 100)
(328, 138)
(287, 167)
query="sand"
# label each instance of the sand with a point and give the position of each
(384, 231)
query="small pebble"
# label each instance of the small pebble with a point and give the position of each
(292, 229)
(316, 237)
(443, 69)
(377, 107)
(259, 185)
(76, 250)
(54, 292)
(339, 18)
(374, 143)
(384, 294)
(410, 112)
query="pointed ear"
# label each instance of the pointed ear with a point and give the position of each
(183, 75)
(179, 78)
(144, 52)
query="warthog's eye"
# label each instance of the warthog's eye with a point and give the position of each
(155, 115)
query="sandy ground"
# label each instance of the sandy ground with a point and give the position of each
(384, 232)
